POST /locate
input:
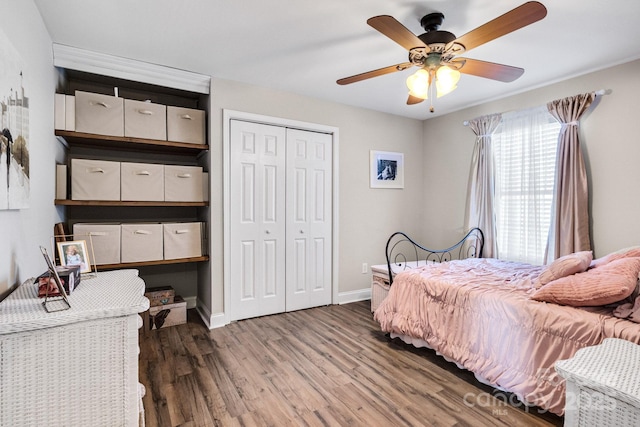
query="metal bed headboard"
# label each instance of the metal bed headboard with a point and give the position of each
(404, 253)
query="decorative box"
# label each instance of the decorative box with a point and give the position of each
(141, 242)
(185, 125)
(182, 240)
(95, 179)
(103, 241)
(145, 120)
(99, 114)
(169, 314)
(162, 295)
(141, 182)
(182, 183)
(69, 277)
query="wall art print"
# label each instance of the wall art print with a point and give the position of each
(386, 169)
(14, 129)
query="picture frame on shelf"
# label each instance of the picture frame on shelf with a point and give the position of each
(386, 169)
(74, 252)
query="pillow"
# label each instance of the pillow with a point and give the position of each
(604, 285)
(633, 251)
(565, 266)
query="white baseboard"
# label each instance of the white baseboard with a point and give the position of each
(219, 320)
(354, 296)
(211, 321)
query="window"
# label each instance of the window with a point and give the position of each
(524, 149)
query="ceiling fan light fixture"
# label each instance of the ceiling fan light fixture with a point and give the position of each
(446, 80)
(418, 84)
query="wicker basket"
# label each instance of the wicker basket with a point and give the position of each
(379, 290)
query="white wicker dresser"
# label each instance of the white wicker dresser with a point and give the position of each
(77, 367)
(603, 385)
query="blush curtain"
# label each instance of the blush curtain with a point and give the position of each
(569, 231)
(481, 188)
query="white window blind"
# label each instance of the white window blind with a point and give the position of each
(524, 148)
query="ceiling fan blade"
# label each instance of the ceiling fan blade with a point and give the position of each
(375, 73)
(414, 100)
(489, 70)
(397, 32)
(520, 17)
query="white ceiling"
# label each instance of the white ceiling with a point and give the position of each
(304, 46)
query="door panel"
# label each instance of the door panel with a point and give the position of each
(257, 220)
(280, 219)
(308, 219)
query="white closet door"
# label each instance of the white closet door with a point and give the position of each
(309, 219)
(257, 220)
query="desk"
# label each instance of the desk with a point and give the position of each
(77, 367)
(603, 385)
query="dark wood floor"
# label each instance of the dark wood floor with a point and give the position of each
(326, 366)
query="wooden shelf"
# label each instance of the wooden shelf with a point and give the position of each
(123, 142)
(149, 263)
(65, 202)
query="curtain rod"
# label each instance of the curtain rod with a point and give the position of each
(597, 92)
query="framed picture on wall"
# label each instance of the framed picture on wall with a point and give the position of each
(386, 169)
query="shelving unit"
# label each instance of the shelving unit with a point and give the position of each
(123, 143)
(183, 272)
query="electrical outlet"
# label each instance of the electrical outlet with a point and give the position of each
(365, 268)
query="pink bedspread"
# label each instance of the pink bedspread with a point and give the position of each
(477, 312)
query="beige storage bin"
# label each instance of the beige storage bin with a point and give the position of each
(182, 183)
(95, 180)
(185, 125)
(141, 182)
(145, 120)
(141, 242)
(182, 240)
(103, 241)
(99, 114)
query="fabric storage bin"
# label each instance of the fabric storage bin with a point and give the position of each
(103, 241)
(141, 182)
(182, 240)
(182, 183)
(141, 242)
(145, 120)
(185, 125)
(99, 114)
(95, 179)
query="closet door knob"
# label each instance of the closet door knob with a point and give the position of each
(301, 231)
(267, 232)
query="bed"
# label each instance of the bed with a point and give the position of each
(507, 322)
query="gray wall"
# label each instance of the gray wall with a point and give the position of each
(366, 216)
(23, 231)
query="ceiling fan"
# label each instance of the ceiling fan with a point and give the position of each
(436, 52)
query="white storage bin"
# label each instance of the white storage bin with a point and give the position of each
(99, 114)
(182, 240)
(141, 182)
(103, 241)
(95, 179)
(145, 120)
(182, 183)
(141, 242)
(185, 125)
